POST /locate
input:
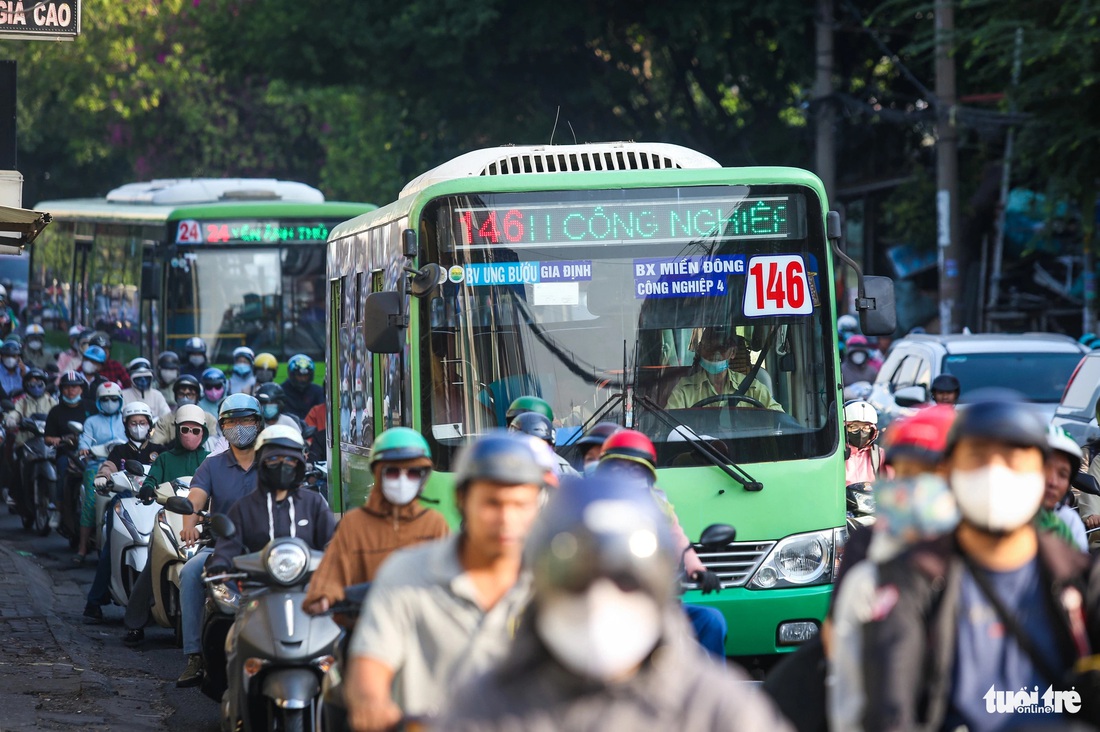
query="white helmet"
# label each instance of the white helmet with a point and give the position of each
(1058, 439)
(134, 409)
(244, 351)
(860, 412)
(191, 413)
(108, 389)
(34, 329)
(847, 323)
(283, 435)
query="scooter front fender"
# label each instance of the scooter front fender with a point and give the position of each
(292, 688)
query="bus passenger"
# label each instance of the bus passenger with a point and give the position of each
(713, 376)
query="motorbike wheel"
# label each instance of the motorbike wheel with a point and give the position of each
(41, 508)
(290, 720)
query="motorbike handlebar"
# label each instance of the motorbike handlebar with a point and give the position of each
(225, 577)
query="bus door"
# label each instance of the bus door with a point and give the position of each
(82, 249)
(151, 285)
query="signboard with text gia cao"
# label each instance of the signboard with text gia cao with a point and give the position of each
(48, 20)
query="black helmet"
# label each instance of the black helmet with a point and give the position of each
(72, 378)
(534, 424)
(270, 393)
(168, 360)
(186, 380)
(501, 457)
(945, 382)
(194, 344)
(1004, 420)
(34, 374)
(100, 339)
(11, 348)
(598, 434)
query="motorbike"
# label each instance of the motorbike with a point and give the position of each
(97, 454)
(316, 477)
(70, 486)
(334, 707)
(168, 555)
(860, 503)
(276, 653)
(39, 476)
(132, 530)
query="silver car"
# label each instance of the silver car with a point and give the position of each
(1077, 412)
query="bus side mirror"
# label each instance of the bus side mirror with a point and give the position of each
(878, 314)
(384, 322)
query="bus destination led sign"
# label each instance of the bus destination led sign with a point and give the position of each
(621, 222)
(190, 231)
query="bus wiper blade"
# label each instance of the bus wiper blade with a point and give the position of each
(709, 453)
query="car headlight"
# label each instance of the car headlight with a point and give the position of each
(798, 561)
(286, 563)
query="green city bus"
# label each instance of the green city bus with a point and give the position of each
(585, 275)
(234, 261)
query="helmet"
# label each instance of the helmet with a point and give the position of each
(612, 530)
(194, 344)
(270, 392)
(847, 323)
(139, 363)
(108, 389)
(265, 361)
(244, 351)
(922, 436)
(598, 434)
(1058, 439)
(500, 457)
(860, 412)
(34, 374)
(72, 378)
(186, 380)
(212, 377)
(945, 382)
(75, 332)
(857, 391)
(281, 436)
(300, 363)
(1003, 420)
(534, 424)
(101, 339)
(34, 329)
(191, 413)
(168, 360)
(12, 347)
(93, 353)
(135, 409)
(239, 405)
(528, 404)
(858, 341)
(399, 443)
(631, 445)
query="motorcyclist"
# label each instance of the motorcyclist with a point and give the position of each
(141, 378)
(11, 367)
(630, 457)
(168, 370)
(602, 644)
(712, 375)
(69, 408)
(271, 398)
(213, 389)
(111, 369)
(242, 379)
(318, 420)
(858, 365)
(1062, 463)
(277, 507)
(194, 350)
(137, 420)
(865, 461)
(102, 427)
(537, 425)
(945, 389)
(71, 359)
(35, 400)
(590, 446)
(440, 612)
(182, 458)
(391, 518)
(94, 358)
(222, 479)
(186, 390)
(264, 367)
(300, 394)
(34, 341)
(8, 322)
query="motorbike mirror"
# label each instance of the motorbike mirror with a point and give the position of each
(134, 467)
(1086, 484)
(76, 428)
(222, 526)
(180, 505)
(717, 536)
(7, 405)
(26, 424)
(309, 432)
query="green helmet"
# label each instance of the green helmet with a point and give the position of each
(528, 404)
(399, 443)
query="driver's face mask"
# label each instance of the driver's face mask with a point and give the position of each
(860, 434)
(858, 357)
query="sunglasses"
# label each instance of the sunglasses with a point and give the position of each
(393, 473)
(190, 430)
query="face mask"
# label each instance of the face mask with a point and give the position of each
(71, 401)
(197, 360)
(270, 412)
(36, 390)
(590, 467)
(213, 393)
(138, 432)
(860, 438)
(400, 491)
(143, 382)
(89, 367)
(241, 436)
(111, 407)
(264, 376)
(10, 362)
(281, 477)
(190, 441)
(713, 367)
(168, 376)
(35, 345)
(602, 632)
(242, 369)
(180, 401)
(996, 498)
(858, 357)
(296, 385)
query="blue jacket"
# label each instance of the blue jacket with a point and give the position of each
(100, 428)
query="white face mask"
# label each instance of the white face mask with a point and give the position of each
(138, 432)
(996, 498)
(10, 361)
(400, 491)
(601, 633)
(89, 367)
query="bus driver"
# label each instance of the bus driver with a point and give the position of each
(713, 376)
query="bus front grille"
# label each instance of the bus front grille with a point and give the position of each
(735, 563)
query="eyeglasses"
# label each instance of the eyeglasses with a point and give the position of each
(235, 421)
(187, 392)
(274, 462)
(393, 472)
(190, 430)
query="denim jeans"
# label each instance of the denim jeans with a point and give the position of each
(99, 594)
(710, 629)
(192, 600)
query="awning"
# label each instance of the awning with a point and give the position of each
(23, 223)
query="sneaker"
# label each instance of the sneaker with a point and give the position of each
(55, 518)
(92, 613)
(192, 675)
(134, 637)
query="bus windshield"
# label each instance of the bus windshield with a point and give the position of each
(607, 303)
(269, 299)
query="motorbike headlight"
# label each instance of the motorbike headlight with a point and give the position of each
(286, 563)
(797, 561)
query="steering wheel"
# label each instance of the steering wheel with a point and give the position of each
(727, 398)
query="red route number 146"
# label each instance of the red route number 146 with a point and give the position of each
(777, 285)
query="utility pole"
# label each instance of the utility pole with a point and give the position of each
(947, 167)
(825, 135)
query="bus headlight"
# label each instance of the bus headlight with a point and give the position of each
(797, 561)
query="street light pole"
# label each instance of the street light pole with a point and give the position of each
(947, 167)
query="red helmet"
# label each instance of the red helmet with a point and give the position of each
(631, 445)
(922, 436)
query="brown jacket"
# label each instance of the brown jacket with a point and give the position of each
(365, 536)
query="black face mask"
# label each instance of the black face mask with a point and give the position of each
(860, 438)
(280, 477)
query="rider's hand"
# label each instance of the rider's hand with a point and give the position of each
(85, 453)
(317, 606)
(369, 715)
(189, 536)
(708, 581)
(147, 494)
(1092, 522)
(100, 482)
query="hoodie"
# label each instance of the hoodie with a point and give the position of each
(259, 518)
(365, 537)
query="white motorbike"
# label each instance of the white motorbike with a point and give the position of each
(168, 555)
(131, 530)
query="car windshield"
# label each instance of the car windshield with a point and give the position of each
(606, 303)
(1041, 377)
